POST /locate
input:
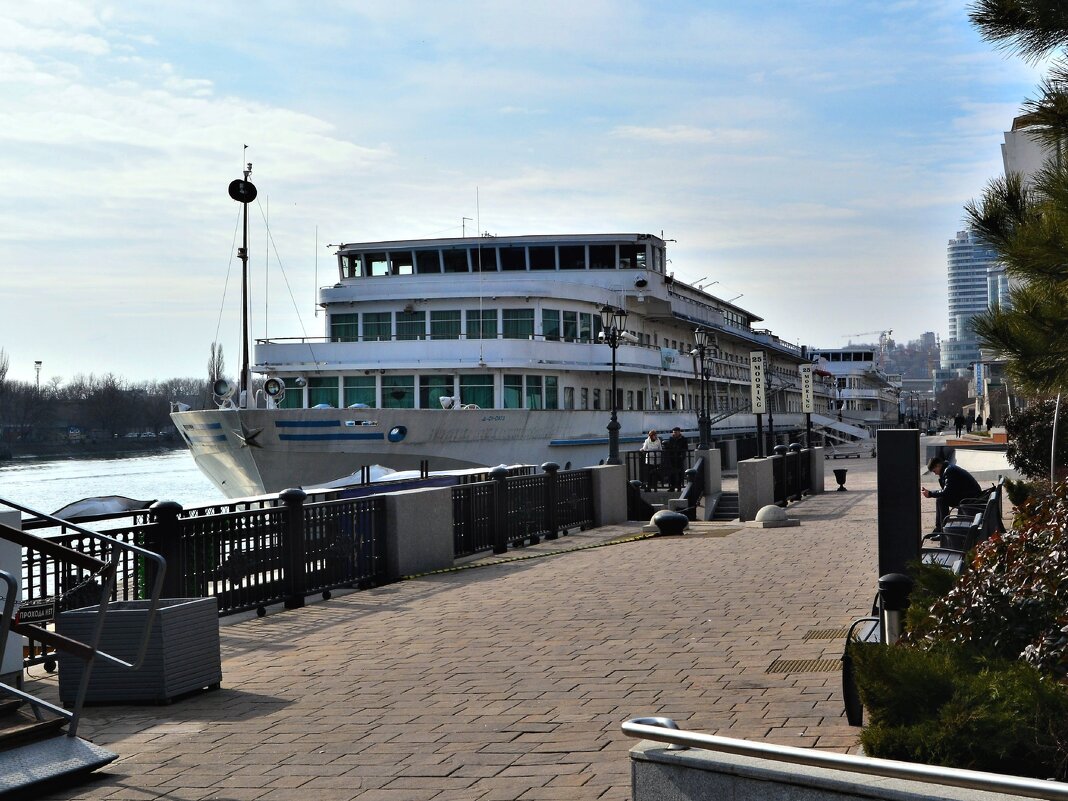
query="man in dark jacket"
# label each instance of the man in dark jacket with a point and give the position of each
(955, 484)
(675, 457)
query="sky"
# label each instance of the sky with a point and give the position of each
(813, 158)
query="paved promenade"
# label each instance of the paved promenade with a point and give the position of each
(510, 680)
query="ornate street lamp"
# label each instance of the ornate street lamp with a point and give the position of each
(704, 423)
(613, 321)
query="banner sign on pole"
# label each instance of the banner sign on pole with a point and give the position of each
(758, 379)
(807, 400)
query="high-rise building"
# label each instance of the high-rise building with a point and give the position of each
(969, 262)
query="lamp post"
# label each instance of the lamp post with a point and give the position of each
(612, 322)
(37, 366)
(704, 424)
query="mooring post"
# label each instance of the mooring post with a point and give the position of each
(165, 539)
(550, 469)
(500, 509)
(293, 547)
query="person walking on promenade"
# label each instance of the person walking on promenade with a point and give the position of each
(675, 458)
(969, 421)
(955, 484)
(989, 423)
(652, 449)
(958, 422)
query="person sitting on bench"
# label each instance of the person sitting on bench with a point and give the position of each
(956, 484)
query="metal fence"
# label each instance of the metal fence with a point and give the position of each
(791, 473)
(520, 510)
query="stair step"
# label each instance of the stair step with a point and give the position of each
(9, 706)
(23, 730)
(59, 760)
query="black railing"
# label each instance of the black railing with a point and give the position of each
(791, 474)
(656, 469)
(520, 510)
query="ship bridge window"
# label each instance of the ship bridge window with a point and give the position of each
(376, 264)
(570, 326)
(482, 324)
(513, 258)
(542, 258)
(550, 324)
(658, 259)
(517, 323)
(400, 263)
(377, 326)
(455, 261)
(552, 392)
(572, 257)
(352, 265)
(398, 392)
(411, 325)
(432, 387)
(602, 257)
(632, 257)
(535, 399)
(322, 390)
(513, 392)
(294, 397)
(427, 261)
(484, 260)
(445, 324)
(586, 327)
(477, 389)
(359, 389)
(345, 327)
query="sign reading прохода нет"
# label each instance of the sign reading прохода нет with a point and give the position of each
(758, 380)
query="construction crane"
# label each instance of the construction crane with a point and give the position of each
(884, 342)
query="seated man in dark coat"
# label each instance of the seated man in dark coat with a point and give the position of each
(956, 484)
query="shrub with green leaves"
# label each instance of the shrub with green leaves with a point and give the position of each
(1030, 434)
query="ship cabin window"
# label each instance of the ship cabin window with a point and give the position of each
(552, 392)
(427, 262)
(572, 257)
(602, 257)
(445, 324)
(322, 390)
(584, 398)
(658, 259)
(482, 324)
(294, 397)
(344, 327)
(641, 400)
(484, 260)
(359, 389)
(596, 399)
(632, 257)
(376, 264)
(400, 263)
(351, 265)
(513, 392)
(569, 397)
(586, 327)
(411, 325)
(433, 387)
(477, 389)
(455, 261)
(517, 323)
(377, 326)
(534, 392)
(398, 392)
(630, 399)
(570, 326)
(542, 258)
(514, 258)
(550, 324)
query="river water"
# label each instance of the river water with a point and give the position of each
(46, 485)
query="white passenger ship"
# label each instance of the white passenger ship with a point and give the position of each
(485, 350)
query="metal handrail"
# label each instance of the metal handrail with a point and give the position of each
(885, 768)
(108, 572)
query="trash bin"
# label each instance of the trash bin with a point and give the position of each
(182, 655)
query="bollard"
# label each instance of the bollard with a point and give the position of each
(550, 469)
(164, 538)
(894, 590)
(669, 523)
(293, 547)
(500, 509)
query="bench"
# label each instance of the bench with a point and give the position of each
(975, 521)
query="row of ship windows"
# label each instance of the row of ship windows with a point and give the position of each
(556, 325)
(489, 258)
(517, 392)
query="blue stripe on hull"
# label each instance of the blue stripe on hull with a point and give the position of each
(328, 437)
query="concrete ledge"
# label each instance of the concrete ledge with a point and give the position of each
(658, 774)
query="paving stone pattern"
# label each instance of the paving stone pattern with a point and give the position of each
(510, 680)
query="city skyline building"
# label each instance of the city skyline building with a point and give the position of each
(968, 263)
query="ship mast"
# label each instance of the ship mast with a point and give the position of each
(244, 192)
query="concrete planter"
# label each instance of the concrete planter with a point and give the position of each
(183, 651)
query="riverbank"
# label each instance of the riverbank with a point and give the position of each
(121, 446)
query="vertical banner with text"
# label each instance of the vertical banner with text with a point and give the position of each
(807, 399)
(758, 378)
